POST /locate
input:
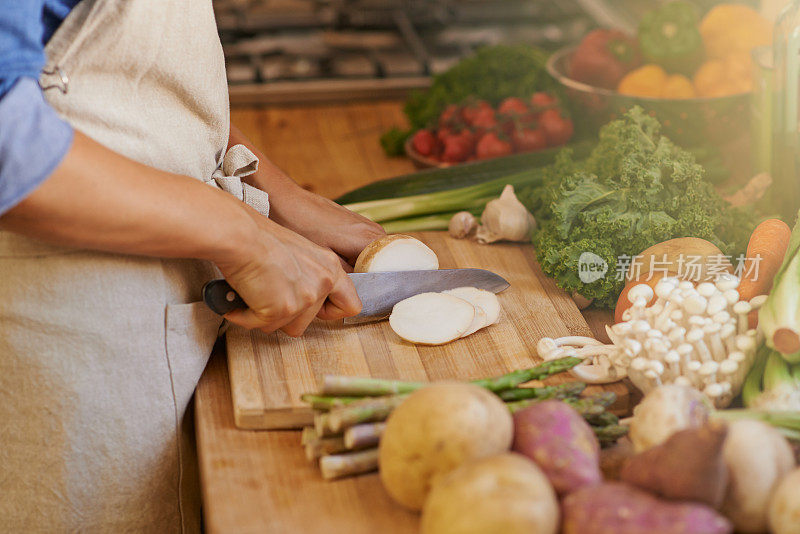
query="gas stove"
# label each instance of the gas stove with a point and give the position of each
(284, 51)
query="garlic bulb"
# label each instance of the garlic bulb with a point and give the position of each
(462, 224)
(505, 219)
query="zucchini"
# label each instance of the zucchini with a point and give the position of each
(442, 179)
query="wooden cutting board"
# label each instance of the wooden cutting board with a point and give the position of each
(268, 373)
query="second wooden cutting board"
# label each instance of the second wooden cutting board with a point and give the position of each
(268, 373)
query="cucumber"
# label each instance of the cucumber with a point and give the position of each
(442, 179)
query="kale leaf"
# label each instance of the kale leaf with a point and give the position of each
(636, 189)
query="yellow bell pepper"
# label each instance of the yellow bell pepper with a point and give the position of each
(678, 86)
(733, 29)
(647, 80)
(721, 77)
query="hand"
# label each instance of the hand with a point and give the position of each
(286, 280)
(324, 222)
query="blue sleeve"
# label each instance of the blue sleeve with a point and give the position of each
(33, 139)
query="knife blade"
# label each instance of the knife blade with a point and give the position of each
(379, 292)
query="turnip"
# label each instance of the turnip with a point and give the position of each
(505, 494)
(784, 508)
(432, 318)
(664, 411)
(435, 430)
(616, 508)
(562, 444)
(758, 457)
(396, 252)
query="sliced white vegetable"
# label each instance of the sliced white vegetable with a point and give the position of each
(478, 322)
(480, 298)
(396, 253)
(431, 318)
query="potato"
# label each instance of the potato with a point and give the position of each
(505, 493)
(688, 466)
(616, 508)
(758, 457)
(664, 411)
(784, 508)
(435, 430)
(562, 444)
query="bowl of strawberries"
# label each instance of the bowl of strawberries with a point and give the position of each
(476, 130)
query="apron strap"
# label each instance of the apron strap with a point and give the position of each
(239, 162)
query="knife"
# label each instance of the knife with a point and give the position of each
(379, 292)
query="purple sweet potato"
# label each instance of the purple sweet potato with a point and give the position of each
(616, 508)
(562, 444)
(689, 466)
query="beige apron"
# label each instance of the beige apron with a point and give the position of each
(100, 353)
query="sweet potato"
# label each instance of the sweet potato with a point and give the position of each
(616, 508)
(562, 444)
(688, 466)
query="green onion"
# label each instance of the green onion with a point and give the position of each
(468, 198)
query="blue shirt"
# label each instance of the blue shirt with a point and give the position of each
(33, 138)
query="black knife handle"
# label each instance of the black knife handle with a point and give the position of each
(221, 297)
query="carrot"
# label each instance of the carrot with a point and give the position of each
(768, 242)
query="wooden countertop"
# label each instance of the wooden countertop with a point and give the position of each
(257, 481)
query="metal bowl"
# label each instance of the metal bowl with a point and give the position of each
(715, 121)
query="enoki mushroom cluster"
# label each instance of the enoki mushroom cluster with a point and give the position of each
(697, 336)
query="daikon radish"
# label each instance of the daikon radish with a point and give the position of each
(431, 318)
(396, 253)
(480, 298)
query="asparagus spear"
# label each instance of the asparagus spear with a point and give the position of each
(540, 372)
(324, 446)
(357, 386)
(560, 391)
(322, 425)
(364, 435)
(366, 411)
(321, 402)
(609, 433)
(353, 463)
(353, 386)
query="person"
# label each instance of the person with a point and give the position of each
(114, 126)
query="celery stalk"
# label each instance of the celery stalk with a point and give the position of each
(752, 382)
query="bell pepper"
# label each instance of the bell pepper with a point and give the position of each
(678, 86)
(733, 29)
(603, 57)
(721, 77)
(647, 81)
(669, 36)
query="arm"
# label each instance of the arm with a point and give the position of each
(101, 200)
(322, 221)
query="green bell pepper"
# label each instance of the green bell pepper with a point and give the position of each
(669, 36)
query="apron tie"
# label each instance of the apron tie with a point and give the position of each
(239, 162)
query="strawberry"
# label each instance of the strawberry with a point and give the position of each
(541, 101)
(528, 140)
(472, 110)
(492, 146)
(424, 142)
(513, 106)
(450, 116)
(484, 120)
(458, 147)
(557, 129)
